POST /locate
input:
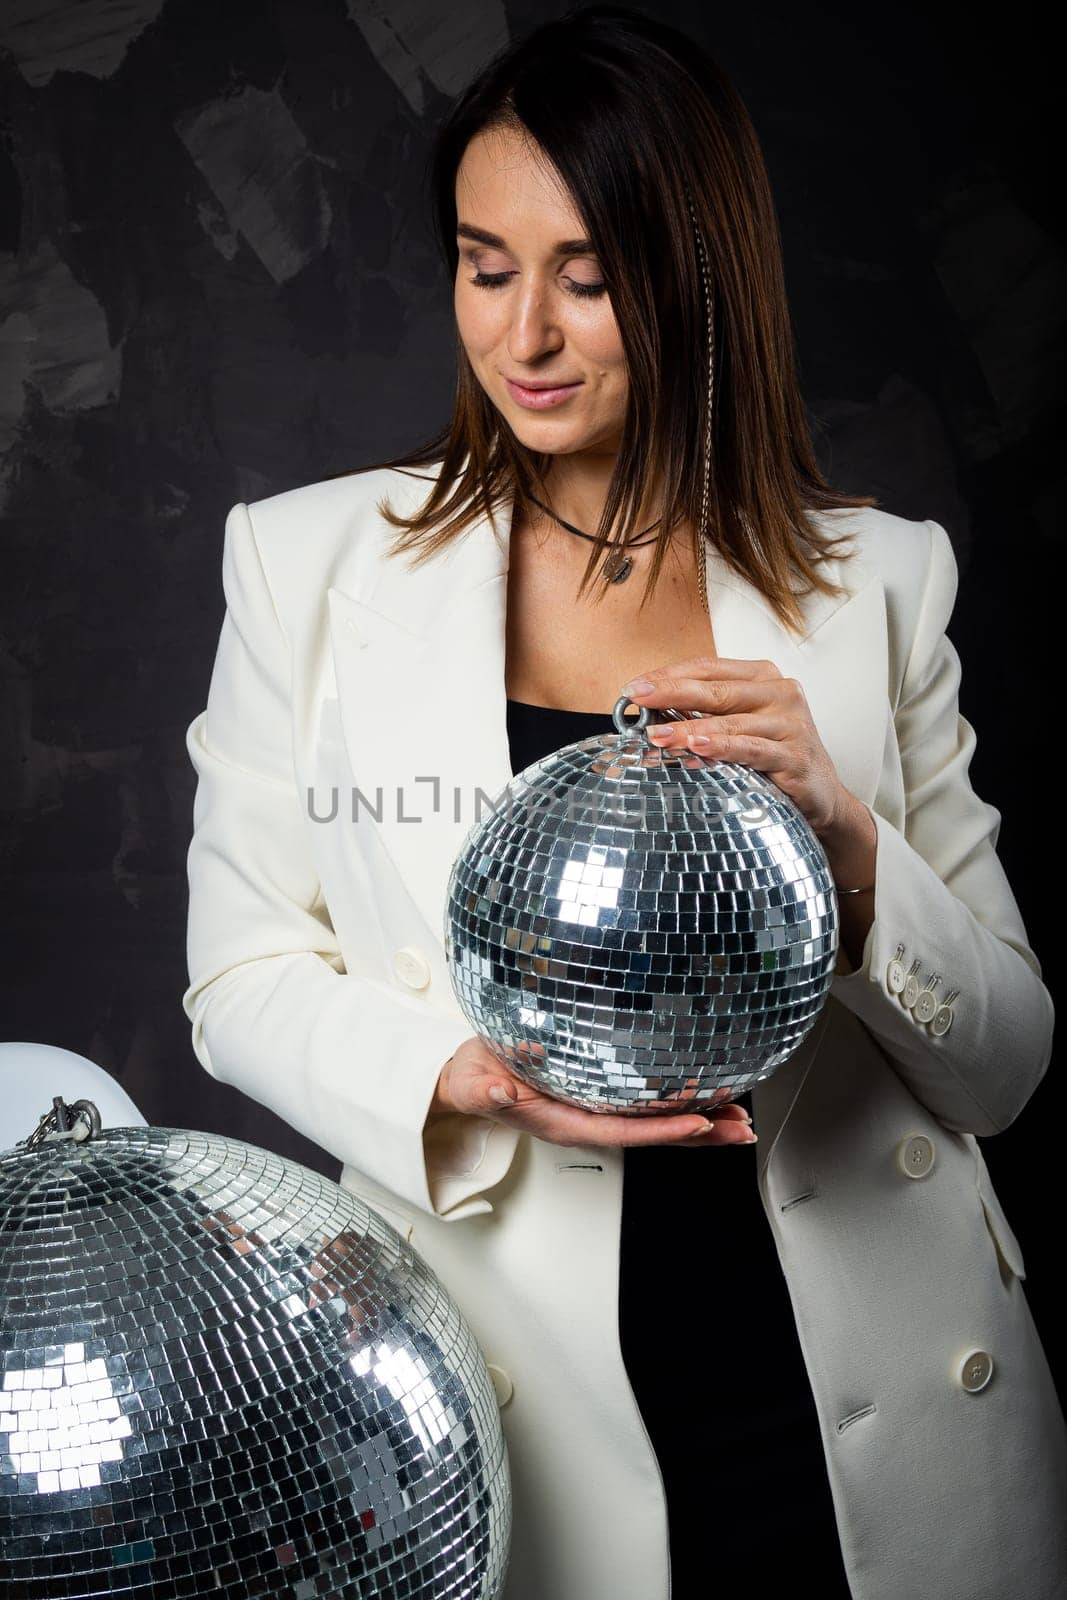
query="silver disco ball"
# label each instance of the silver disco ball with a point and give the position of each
(222, 1374)
(641, 930)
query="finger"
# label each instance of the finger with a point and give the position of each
(638, 1132)
(725, 1133)
(513, 1091)
(762, 755)
(726, 1123)
(717, 696)
(531, 1092)
(563, 1124)
(661, 1131)
(553, 1119)
(706, 667)
(776, 728)
(732, 1108)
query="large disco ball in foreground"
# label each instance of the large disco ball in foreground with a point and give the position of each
(641, 930)
(222, 1374)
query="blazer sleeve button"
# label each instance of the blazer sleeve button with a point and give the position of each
(941, 1021)
(975, 1370)
(925, 1006)
(411, 967)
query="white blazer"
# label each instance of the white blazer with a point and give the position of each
(318, 986)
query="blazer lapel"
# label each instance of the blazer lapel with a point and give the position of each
(420, 661)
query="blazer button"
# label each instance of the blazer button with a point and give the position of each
(894, 973)
(941, 1021)
(925, 1006)
(915, 1156)
(910, 991)
(502, 1384)
(975, 1370)
(411, 967)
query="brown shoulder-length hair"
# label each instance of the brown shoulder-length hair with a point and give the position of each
(631, 112)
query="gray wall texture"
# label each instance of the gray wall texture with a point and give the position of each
(217, 281)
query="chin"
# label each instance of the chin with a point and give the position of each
(566, 432)
(554, 447)
(549, 438)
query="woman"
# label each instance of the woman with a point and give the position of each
(832, 1351)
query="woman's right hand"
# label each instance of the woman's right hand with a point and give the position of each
(468, 1078)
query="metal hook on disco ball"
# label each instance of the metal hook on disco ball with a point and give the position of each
(627, 725)
(78, 1121)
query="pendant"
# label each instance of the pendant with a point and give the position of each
(617, 568)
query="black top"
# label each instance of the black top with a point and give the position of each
(709, 1339)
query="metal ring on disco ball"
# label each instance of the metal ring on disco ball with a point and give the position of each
(623, 723)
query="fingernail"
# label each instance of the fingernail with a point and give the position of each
(698, 1133)
(752, 1138)
(501, 1096)
(638, 686)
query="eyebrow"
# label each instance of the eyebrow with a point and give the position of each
(565, 247)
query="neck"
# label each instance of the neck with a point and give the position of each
(576, 487)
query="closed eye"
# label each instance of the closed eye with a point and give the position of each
(496, 280)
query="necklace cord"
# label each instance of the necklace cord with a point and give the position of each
(618, 565)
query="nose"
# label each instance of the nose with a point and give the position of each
(533, 329)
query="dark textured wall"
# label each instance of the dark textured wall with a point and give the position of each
(217, 281)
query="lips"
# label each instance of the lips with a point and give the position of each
(538, 386)
(539, 397)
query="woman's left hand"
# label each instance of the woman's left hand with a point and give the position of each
(749, 714)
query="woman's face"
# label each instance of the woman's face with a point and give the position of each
(544, 317)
